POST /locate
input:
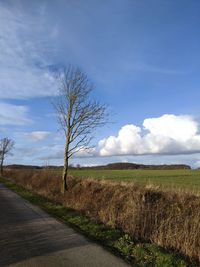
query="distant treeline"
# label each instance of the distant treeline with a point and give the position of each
(111, 166)
(34, 167)
(135, 166)
(20, 166)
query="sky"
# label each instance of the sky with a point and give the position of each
(142, 57)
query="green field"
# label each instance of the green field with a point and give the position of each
(179, 179)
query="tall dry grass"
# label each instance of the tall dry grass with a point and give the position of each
(169, 219)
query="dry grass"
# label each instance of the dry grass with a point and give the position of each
(168, 219)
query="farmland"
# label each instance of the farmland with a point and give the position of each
(177, 179)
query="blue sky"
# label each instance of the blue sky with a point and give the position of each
(143, 58)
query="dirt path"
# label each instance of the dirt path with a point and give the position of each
(30, 237)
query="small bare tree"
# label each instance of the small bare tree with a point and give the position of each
(78, 115)
(6, 145)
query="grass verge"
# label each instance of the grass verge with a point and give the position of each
(138, 253)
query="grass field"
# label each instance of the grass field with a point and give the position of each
(179, 179)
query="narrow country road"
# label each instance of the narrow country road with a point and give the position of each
(30, 237)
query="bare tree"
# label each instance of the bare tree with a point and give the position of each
(78, 115)
(6, 145)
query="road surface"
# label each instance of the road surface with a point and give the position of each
(30, 237)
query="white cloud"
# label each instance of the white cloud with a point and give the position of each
(197, 164)
(172, 126)
(23, 63)
(13, 114)
(57, 152)
(37, 135)
(37, 155)
(168, 134)
(51, 152)
(124, 143)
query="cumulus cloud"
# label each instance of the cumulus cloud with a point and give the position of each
(168, 134)
(13, 114)
(176, 127)
(37, 135)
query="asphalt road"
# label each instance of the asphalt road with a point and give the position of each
(30, 237)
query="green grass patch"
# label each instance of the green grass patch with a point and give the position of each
(137, 253)
(178, 179)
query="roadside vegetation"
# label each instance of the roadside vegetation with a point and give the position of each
(134, 251)
(152, 227)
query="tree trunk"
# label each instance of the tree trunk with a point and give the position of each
(64, 177)
(65, 169)
(1, 168)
